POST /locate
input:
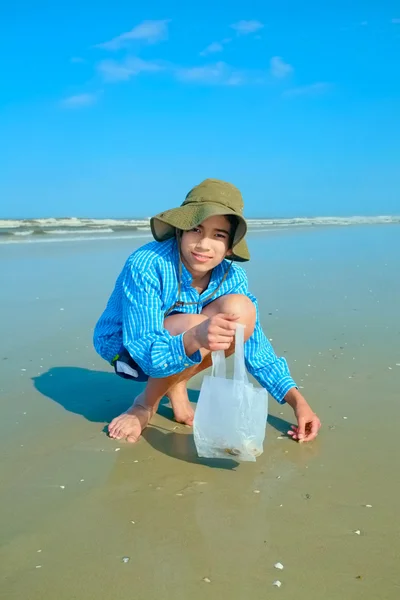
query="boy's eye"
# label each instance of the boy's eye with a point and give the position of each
(196, 229)
(221, 235)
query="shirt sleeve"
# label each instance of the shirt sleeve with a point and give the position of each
(154, 349)
(271, 372)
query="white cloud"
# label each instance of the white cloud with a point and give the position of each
(212, 48)
(219, 73)
(206, 74)
(279, 68)
(235, 79)
(396, 21)
(148, 31)
(246, 27)
(312, 89)
(113, 70)
(215, 47)
(79, 100)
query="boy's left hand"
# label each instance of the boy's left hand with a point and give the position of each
(308, 424)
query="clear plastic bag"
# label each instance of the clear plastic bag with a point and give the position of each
(231, 414)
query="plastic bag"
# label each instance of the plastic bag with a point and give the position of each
(231, 414)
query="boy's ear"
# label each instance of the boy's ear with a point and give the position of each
(229, 252)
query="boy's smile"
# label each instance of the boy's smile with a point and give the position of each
(200, 257)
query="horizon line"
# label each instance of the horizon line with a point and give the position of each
(248, 218)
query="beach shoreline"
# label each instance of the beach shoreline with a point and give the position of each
(74, 503)
(84, 229)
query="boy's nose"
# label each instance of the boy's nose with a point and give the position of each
(203, 245)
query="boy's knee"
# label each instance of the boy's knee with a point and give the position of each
(237, 304)
(179, 323)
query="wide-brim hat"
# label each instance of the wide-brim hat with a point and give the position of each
(210, 198)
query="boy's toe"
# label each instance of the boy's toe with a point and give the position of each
(112, 426)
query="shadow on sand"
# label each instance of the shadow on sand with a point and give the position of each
(99, 396)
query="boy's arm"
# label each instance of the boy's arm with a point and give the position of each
(155, 350)
(271, 371)
(273, 374)
(308, 424)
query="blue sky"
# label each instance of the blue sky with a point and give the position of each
(114, 109)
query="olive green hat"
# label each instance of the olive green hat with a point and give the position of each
(210, 198)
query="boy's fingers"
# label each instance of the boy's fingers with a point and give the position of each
(228, 323)
(224, 330)
(220, 346)
(302, 428)
(298, 433)
(221, 332)
(229, 316)
(315, 425)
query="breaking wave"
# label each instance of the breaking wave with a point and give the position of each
(73, 228)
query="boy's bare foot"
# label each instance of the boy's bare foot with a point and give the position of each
(183, 411)
(130, 424)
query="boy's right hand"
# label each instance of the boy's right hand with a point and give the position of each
(216, 333)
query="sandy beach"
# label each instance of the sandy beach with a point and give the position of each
(74, 504)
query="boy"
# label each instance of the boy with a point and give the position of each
(178, 299)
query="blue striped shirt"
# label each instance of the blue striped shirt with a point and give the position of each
(134, 317)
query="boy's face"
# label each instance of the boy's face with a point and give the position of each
(206, 246)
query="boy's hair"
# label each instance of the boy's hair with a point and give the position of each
(233, 223)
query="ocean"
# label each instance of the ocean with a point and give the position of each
(84, 229)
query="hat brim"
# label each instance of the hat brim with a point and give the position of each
(186, 217)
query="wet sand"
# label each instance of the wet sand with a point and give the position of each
(74, 504)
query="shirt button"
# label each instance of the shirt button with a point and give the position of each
(166, 365)
(186, 365)
(180, 357)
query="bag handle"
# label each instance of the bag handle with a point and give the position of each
(218, 364)
(239, 373)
